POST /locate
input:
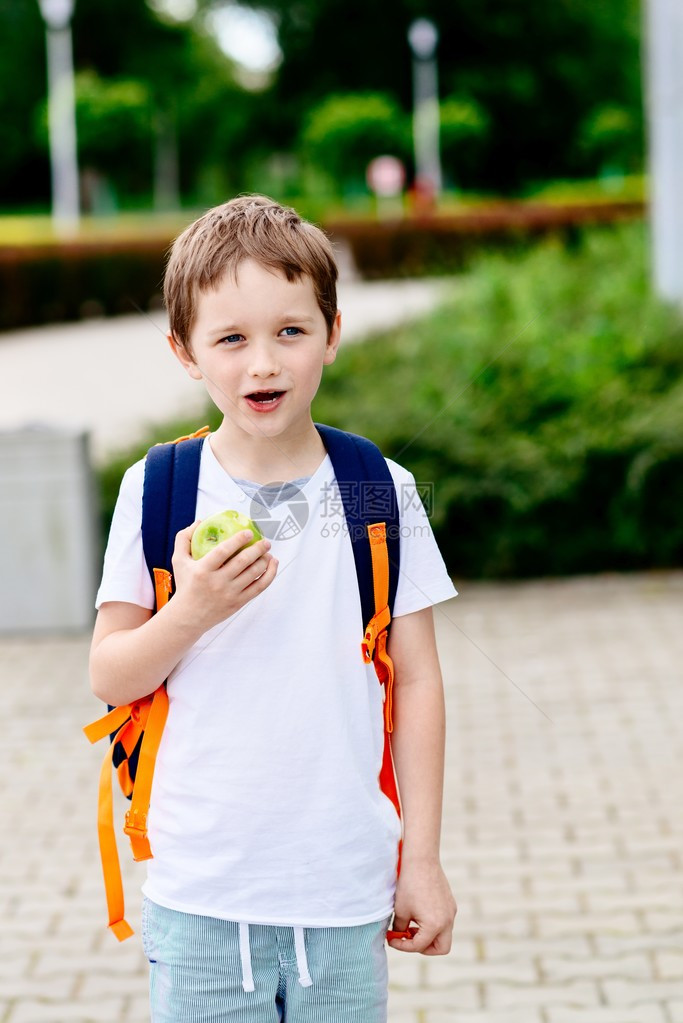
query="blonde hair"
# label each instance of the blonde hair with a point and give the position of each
(247, 227)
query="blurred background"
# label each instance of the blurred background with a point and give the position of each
(501, 180)
(495, 149)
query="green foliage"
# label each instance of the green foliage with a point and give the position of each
(136, 73)
(112, 116)
(544, 400)
(612, 136)
(536, 69)
(24, 171)
(464, 131)
(47, 284)
(540, 72)
(344, 133)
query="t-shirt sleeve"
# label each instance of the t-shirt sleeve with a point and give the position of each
(423, 578)
(125, 576)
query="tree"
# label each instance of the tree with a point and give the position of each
(343, 133)
(536, 69)
(464, 131)
(122, 50)
(24, 168)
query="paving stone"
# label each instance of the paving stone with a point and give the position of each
(574, 993)
(572, 948)
(482, 1016)
(641, 1014)
(444, 972)
(555, 968)
(100, 1011)
(669, 964)
(632, 992)
(466, 996)
(583, 923)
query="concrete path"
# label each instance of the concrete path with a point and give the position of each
(112, 376)
(563, 833)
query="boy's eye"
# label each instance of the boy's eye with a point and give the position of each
(232, 339)
(291, 331)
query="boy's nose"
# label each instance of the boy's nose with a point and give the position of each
(264, 362)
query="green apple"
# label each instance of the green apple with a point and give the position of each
(221, 527)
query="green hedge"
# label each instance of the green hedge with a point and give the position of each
(545, 402)
(448, 243)
(52, 283)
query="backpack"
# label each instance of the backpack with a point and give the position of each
(168, 505)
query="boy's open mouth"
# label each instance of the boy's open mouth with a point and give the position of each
(263, 397)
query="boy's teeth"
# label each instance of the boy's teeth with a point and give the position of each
(265, 396)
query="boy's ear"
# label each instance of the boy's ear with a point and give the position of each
(333, 340)
(184, 357)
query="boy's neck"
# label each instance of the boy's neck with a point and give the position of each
(266, 459)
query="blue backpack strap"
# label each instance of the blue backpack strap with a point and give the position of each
(169, 500)
(169, 497)
(368, 494)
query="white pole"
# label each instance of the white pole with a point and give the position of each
(62, 117)
(664, 92)
(423, 38)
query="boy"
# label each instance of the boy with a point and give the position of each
(273, 880)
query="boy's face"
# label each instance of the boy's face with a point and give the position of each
(259, 343)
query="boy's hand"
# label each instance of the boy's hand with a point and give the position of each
(424, 899)
(224, 580)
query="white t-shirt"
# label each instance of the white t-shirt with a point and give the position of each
(266, 806)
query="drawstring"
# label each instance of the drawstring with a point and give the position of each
(245, 956)
(301, 961)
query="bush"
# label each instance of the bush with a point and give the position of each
(112, 116)
(464, 130)
(612, 138)
(447, 243)
(545, 402)
(345, 132)
(52, 283)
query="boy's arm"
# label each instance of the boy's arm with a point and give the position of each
(133, 651)
(423, 895)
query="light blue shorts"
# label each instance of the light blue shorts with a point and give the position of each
(204, 970)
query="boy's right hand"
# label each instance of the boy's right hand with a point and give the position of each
(222, 581)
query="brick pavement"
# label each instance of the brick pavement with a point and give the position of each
(563, 828)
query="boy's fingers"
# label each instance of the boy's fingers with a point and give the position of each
(441, 944)
(429, 942)
(227, 549)
(399, 927)
(184, 536)
(416, 944)
(401, 934)
(264, 578)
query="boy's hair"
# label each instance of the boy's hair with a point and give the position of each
(247, 227)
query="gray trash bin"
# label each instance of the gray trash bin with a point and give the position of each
(48, 531)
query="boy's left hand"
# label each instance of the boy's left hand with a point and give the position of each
(424, 899)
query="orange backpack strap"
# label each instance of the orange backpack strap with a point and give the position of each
(203, 431)
(135, 827)
(125, 725)
(374, 648)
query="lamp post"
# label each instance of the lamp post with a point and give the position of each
(664, 82)
(423, 37)
(61, 116)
